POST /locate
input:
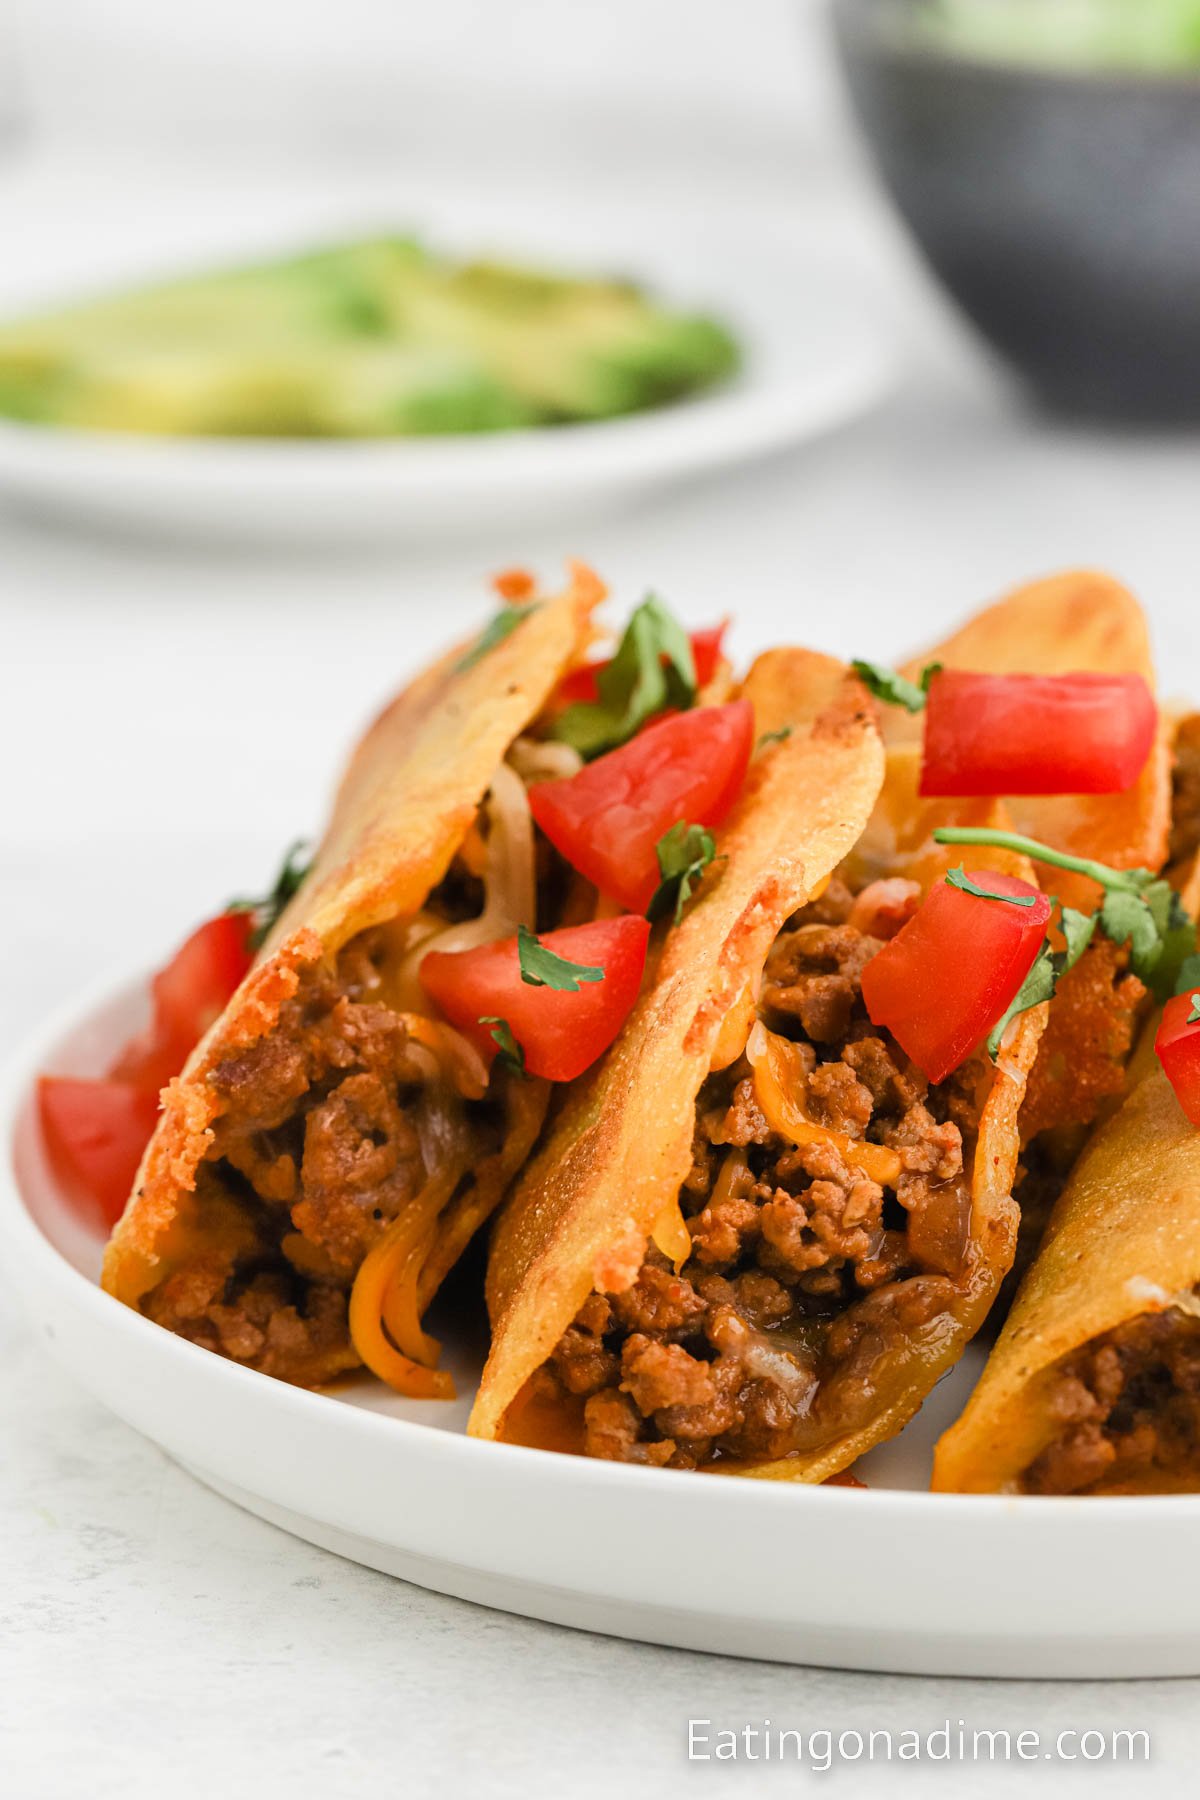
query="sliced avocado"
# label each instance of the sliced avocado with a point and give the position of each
(378, 338)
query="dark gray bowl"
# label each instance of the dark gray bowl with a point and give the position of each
(1061, 210)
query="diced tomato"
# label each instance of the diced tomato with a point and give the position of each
(514, 584)
(843, 1479)
(943, 981)
(1178, 1045)
(146, 1063)
(607, 820)
(707, 651)
(189, 993)
(1036, 734)
(201, 977)
(580, 684)
(560, 1033)
(96, 1132)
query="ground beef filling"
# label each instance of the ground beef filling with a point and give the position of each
(1185, 796)
(1084, 1049)
(1128, 1407)
(1080, 1070)
(806, 1279)
(316, 1151)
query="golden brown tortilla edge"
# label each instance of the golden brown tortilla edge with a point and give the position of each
(1123, 1238)
(493, 699)
(589, 1201)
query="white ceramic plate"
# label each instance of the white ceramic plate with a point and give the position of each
(886, 1579)
(815, 355)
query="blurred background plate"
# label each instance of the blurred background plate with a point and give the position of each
(815, 355)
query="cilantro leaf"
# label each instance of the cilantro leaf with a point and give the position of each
(1189, 975)
(1078, 929)
(266, 911)
(1049, 967)
(895, 689)
(1037, 986)
(958, 878)
(508, 1051)
(774, 737)
(1193, 1017)
(683, 854)
(652, 669)
(1128, 881)
(1178, 949)
(542, 968)
(1139, 908)
(1128, 919)
(494, 632)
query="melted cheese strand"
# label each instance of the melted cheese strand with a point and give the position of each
(510, 881)
(779, 1081)
(537, 761)
(384, 1317)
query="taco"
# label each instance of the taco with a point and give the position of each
(333, 1143)
(1084, 624)
(756, 1234)
(1093, 1386)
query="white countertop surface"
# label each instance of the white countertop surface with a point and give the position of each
(169, 718)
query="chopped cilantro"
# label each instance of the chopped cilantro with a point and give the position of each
(893, 688)
(508, 1051)
(1037, 986)
(958, 878)
(652, 669)
(1189, 974)
(267, 909)
(1049, 967)
(494, 632)
(684, 852)
(1138, 908)
(542, 968)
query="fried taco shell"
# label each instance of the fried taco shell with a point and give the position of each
(710, 1263)
(1185, 795)
(1094, 1383)
(1079, 621)
(1082, 621)
(330, 1147)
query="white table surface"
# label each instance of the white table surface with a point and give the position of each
(168, 719)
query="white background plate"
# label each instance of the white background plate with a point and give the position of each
(815, 355)
(886, 1579)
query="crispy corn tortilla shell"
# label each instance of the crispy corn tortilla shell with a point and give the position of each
(1086, 621)
(899, 840)
(1124, 1240)
(1080, 621)
(618, 1152)
(408, 799)
(1185, 805)
(1186, 879)
(614, 1163)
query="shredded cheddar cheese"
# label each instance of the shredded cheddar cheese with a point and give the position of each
(454, 1053)
(735, 1030)
(778, 1085)
(672, 1236)
(385, 1324)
